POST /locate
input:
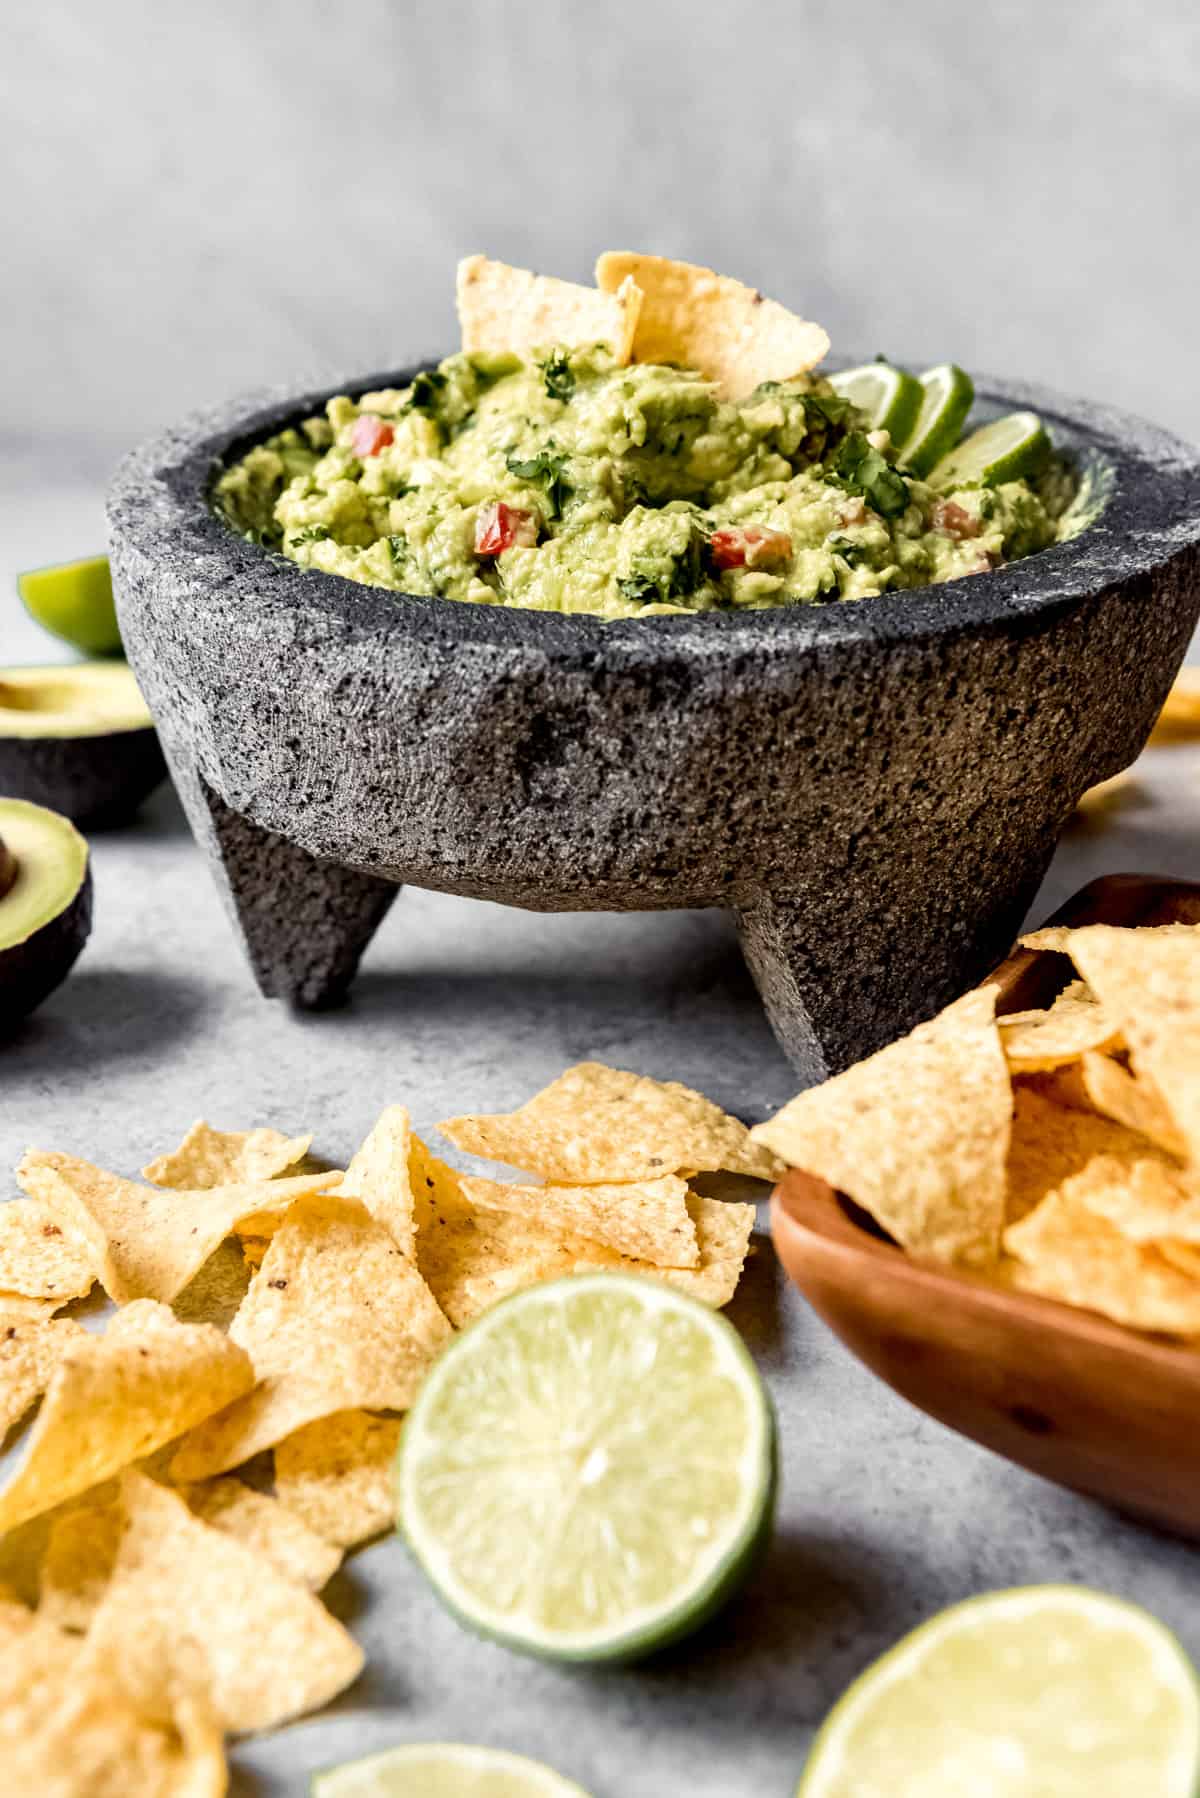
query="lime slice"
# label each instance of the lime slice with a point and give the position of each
(1011, 448)
(74, 601)
(890, 397)
(1043, 1692)
(947, 396)
(443, 1770)
(589, 1469)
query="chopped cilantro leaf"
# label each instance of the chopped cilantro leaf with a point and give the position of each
(311, 533)
(558, 375)
(398, 549)
(861, 469)
(845, 547)
(544, 470)
(834, 408)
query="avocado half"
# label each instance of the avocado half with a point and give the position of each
(78, 738)
(45, 905)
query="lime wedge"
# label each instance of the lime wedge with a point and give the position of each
(947, 396)
(589, 1469)
(443, 1770)
(74, 601)
(1043, 1692)
(1009, 449)
(890, 397)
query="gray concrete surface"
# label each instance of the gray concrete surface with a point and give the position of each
(884, 1516)
(198, 198)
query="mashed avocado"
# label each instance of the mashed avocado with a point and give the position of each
(564, 483)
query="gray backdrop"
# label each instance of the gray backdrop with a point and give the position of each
(197, 197)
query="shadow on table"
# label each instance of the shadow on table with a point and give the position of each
(107, 1012)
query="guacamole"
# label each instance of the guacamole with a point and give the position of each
(562, 482)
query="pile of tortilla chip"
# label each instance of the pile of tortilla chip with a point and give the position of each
(1056, 1150)
(158, 1592)
(646, 309)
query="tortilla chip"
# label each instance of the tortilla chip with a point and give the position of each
(1149, 980)
(36, 1662)
(917, 1134)
(254, 1249)
(207, 1158)
(511, 310)
(38, 1257)
(335, 1318)
(1052, 939)
(1103, 1085)
(115, 1398)
(645, 1219)
(213, 1295)
(1183, 1255)
(84, 1543)
(596, 1123)
(1180, 716)
(98, 1741)
(1050, 1142)
(29, 1354)
(337, 1475)
(1066, 1251)
(268, 1525)
(474, 1258)
(1147, 1201)
(149, 1242)
(17, 1307)
(79, 1560)
(378, 1175)
(709, 322)
(1106, 794)
(1037, 1040)
(181, 1588)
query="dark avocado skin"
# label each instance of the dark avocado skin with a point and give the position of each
(31, 970)
(96, 781)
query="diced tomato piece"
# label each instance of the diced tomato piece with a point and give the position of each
(756, 546)
(955, 520)
(369, 435)
(499, 527)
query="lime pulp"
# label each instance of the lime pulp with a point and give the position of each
(1041, 1692)
(588, 1471)
(890, 397)
(443, 1770)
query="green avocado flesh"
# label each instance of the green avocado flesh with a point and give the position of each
(79, 738)
(630, 483)
(74, 601)
(45, 909)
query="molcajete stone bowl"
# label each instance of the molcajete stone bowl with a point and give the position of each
(873, 790)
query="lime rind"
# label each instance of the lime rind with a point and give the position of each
(948, 393)
(733, 1554)
(74, 602)
(1012, 448)
(889, 397)
(444, 1770)
(835, 1767)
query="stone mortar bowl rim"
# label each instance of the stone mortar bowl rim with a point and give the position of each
(1130, 534)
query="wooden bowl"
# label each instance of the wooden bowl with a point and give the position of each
(1101, 1409)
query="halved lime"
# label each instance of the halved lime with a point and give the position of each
(948, 394)
(890, 397)
(74, 601)
(589, 1469)
(443, 1770)
(1011, 448)
(1041, 1692)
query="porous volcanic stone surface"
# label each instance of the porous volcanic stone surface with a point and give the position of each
(873, 789)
